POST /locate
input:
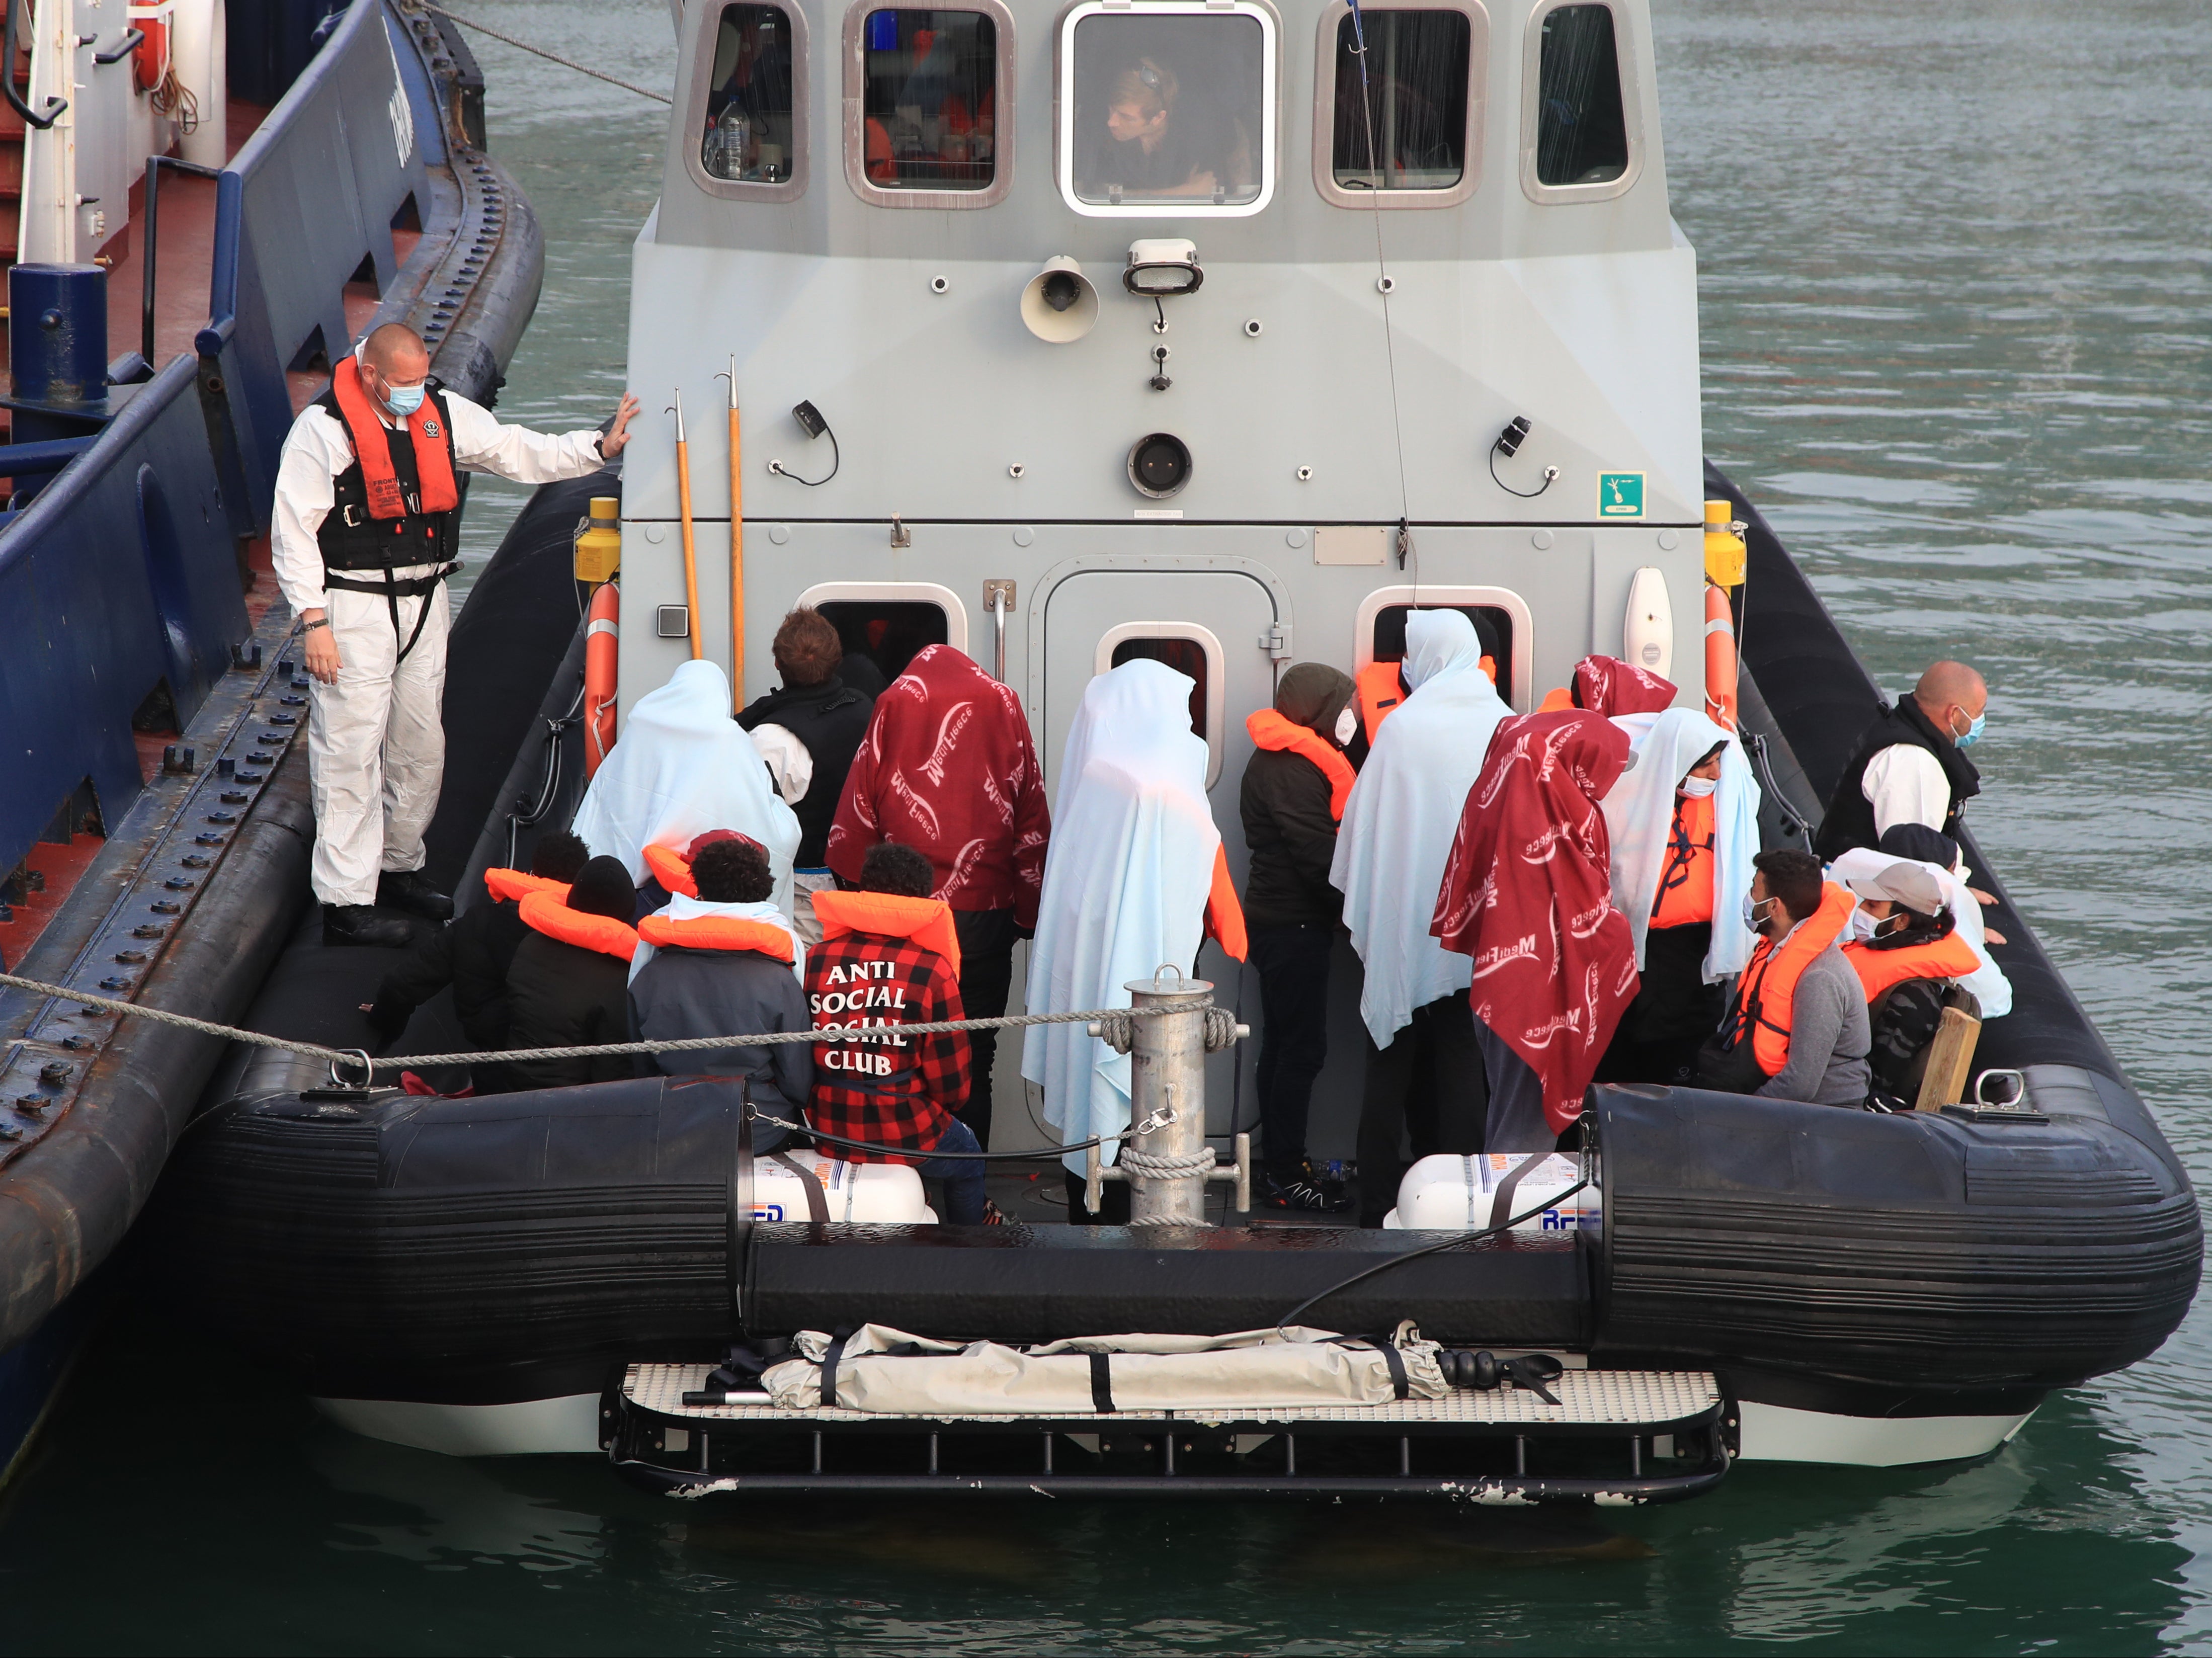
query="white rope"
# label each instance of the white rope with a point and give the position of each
(550, 57)
(687, 1045)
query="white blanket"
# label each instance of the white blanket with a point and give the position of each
(1639, 816)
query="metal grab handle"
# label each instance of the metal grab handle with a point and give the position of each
(2019, 1088)
(132, 39)
(54, 106)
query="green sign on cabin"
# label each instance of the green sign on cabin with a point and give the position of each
(1620, 494)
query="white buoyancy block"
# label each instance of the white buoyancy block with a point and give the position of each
(1446, 1193)
(801, 1186)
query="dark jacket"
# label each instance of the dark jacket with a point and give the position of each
(1288, 831)
(831, 718)
(471, 953)
(1849, 821)
(561, 995)
(682, 994)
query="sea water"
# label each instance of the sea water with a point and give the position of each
(1955, 304)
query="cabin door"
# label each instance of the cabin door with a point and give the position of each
(1212, 625)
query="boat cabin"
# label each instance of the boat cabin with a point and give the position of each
(1186, 329)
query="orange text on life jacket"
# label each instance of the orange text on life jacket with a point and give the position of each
(715, 932)
(926, 921)
(372, 448)
(1768, 986)
(542, 912)
(1276, 731)
(1948, 958)
(1685, 880)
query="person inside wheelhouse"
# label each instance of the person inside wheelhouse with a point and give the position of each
(1169, 110)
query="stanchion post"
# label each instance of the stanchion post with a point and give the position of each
(1167, 1103)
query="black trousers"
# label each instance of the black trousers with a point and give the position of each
(1674, 1012)
(1428, 1087)
(1293, 963)
(986, 969)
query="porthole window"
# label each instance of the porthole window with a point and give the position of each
(1189, 649)
(1406, 132)
(928, 104)
(882, 624)
(1579, 126)
(749, 94)
(1167, 110)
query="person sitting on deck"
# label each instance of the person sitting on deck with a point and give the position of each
(1987, 984)
(808, 731)
(1684, 827)
(472, 953)
(1425, 1088)
(1528, 896)
(949, 770)
(681, 766)
(1910, 955)
(568, 986)
(727, 962)
(1911, 765)
(1295, 788)
(890, 955)
(1795, 1027)
(1135, 878)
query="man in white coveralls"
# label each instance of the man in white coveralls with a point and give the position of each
(366, 522)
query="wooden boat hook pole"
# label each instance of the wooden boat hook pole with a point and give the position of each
(737, 552)
(684, 504)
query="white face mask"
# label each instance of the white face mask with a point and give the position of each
(1347, 726)
(1697, 789)
(1863, 926)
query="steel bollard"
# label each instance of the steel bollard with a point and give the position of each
(1167, 1157)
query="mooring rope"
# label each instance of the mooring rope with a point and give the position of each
(550, 57)
(337, 1057)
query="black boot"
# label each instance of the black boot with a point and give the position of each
(410, 890)
(358, 924)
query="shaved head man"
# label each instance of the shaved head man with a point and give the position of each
(1910, 766)
(362, 537)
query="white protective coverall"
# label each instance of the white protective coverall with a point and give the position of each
(681, 767)
(1126, 877)
(376, 739)
(1639, 817)
(1403, 816)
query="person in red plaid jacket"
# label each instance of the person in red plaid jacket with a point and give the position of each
(889, 956)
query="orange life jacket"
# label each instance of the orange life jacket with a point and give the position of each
(1381, 688)
(715, 932)
(1768, 985)
(1224, 916)
(672, 870)
(927, 921)
(1377, 690)
(433, 460)
(513, 883)
(1557, 699)
(1685, 884)
(1948, 958)
(542, 912)
(1276, 731)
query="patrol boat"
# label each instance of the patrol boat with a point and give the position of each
(1398, 317)
(196, 218)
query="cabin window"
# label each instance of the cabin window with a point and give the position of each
(750, 137)
(927, 104)
(1493, 626)
(1405, 133)
(1167, 110)
(1189, 649)
(885, 623)
(1581, 105)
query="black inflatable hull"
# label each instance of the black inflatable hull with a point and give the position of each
(470, 1252)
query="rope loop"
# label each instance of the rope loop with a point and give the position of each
(1117, 1028)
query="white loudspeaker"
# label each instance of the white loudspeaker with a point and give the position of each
(1059, 304)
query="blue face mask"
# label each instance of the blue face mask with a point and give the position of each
(1973, 730)
(403, 399)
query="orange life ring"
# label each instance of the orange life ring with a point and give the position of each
(149, 59)
(1720, 658)
(601, 664)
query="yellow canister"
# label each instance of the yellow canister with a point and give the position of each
(1724, 549)
(598, 541)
